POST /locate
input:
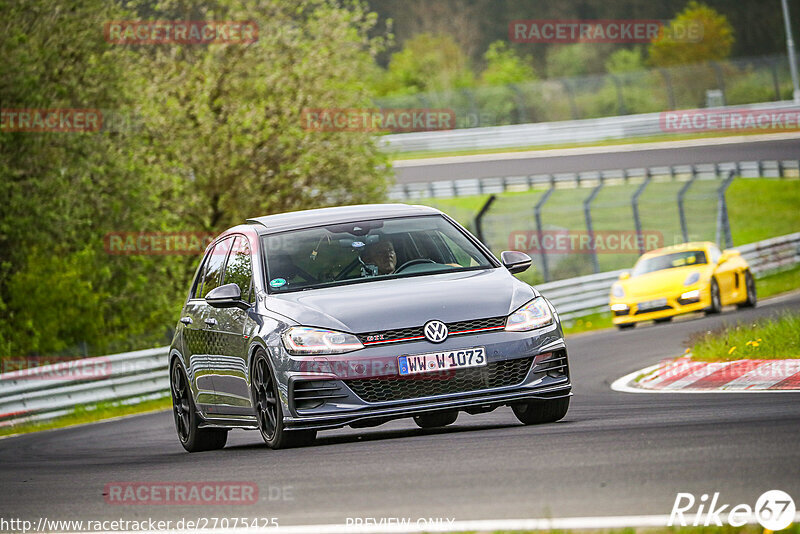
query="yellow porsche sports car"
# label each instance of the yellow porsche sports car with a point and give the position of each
(680, 279)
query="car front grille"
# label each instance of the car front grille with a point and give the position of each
(398, 335)
(494, 375)
(651, 310)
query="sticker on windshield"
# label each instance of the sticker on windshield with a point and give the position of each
(277, 282)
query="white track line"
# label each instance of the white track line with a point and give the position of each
(569, 523)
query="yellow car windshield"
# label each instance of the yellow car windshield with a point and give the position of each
(669, 261)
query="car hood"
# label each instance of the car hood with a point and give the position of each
(406, 302)
(666, 281)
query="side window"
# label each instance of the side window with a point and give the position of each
(214, 263)
(197, 286)
(239, 269)
(715, 253)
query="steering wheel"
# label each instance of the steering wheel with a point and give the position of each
(409, 263)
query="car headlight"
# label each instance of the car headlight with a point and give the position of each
(306, 340)
(691, 279)
(617, 291)
(534, 314)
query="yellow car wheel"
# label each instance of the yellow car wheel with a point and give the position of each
(750, 287)
(716, 303)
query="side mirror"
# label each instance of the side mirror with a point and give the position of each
(725, 256)
(227, 296)
(624, 275)
(515, 261)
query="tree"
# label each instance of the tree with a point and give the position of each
(697, 34)
(504, 66)
(625, 60)
(428, 62)
(220, 138)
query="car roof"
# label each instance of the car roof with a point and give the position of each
(341, 214)
(694, 245)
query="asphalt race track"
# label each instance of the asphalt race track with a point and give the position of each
(614, 454)
(611, 158)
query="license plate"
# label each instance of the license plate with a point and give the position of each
(440, 361)
(650, 304)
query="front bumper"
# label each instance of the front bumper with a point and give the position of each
(332, 381)
(674, 306)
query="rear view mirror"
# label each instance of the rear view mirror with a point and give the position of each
(515, 261)
(227, 296)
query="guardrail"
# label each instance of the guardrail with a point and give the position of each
(546, 133)
(567, 180)
(49, 391)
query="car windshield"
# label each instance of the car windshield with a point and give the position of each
(364, 251)
(669, 261)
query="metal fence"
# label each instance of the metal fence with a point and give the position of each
(673, 204)
(50, 391)
(733, 82)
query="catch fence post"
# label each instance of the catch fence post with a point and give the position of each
(637, 220)
(537, 214)
(723, 223)
(681, 210)
(479, 218)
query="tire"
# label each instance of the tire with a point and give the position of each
(187, 420)
(538, 412)
(435, 420)
(750, 286)
(626, 326)
(269, 412)
(663, 320)
(716, 303)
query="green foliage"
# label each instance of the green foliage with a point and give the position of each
(427, 62)
(625, 60)
(504, 66)
(218, 137)
(566, 61)
(672, 48)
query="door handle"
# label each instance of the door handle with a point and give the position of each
(211, 321)
(186, 320)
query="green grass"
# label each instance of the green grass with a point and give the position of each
(89, 414)
(771, 339)
(527, 148)
(778, 283)
(587, 323)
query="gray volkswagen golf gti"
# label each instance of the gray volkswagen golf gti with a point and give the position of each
(354, 316)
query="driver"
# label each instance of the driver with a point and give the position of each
(382, 255)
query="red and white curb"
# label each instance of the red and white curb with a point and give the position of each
(684, 375)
